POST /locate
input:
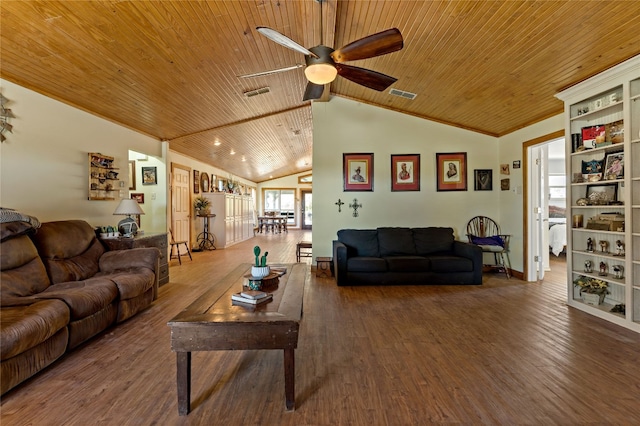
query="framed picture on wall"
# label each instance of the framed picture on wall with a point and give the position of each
(213, 184)
(196, 182)
(357, 172)
(139, 197)
(132, 175)
(405, 172)
(150, 175)
(451, 171)
(483, 180)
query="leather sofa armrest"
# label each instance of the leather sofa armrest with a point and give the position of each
(146, 257)
(472, 252)
(339, 261)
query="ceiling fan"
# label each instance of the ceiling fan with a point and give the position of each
(324, 63)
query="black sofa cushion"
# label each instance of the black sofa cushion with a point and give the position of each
(396, 242)
(408, 263)
(450, 264)
(366, 264)
(433, 240)
(360, 242)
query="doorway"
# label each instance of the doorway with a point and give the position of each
(306, 207)
(546, 207)
(181, 205)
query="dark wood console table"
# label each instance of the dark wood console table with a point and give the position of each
(158, 240)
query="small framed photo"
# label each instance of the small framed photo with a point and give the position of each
(196, 182)
(602, 193)
(516, 164)
(150, 175)
(357, 172)
(505, 184)
(139, 197)
(132, 175)
(614, 166)
(504, 169)
(451, 171)
(405, 172)
(483, 180)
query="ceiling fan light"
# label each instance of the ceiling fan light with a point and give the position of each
(321, 73)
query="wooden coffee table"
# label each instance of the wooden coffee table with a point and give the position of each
(212, 323)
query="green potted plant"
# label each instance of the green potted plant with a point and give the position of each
(260, 268)
(201, 205)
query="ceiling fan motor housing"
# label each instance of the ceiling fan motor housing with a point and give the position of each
(320, 70)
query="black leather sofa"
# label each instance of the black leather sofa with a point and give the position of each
(388, 256)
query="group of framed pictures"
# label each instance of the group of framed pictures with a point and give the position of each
(202, 182)
(451, 172)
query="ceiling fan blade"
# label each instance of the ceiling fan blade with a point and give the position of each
(313, 91)
(367, 78)
(261, 73)
(283, 40)
(370, 46)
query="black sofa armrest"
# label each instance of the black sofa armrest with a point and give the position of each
(339, 262)
(472, 252)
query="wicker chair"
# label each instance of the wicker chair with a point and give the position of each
(485, 233)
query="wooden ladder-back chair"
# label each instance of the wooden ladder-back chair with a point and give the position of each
(177, 245)
(485, 233)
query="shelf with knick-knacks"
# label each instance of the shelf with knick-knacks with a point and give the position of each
(103, 177)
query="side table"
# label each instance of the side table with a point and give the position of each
(205, 239)
(158, 240)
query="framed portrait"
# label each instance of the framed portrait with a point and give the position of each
(405, 172)
(132, 175)
(204, 182)
(614, 166)
(139, 197)
(150, 175)
(357, 171)
(451, 171)
(196, 182)
(505, 184)
(483, 180)
(602, 193)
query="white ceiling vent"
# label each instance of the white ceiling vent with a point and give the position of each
(403, 94)
(257, 92)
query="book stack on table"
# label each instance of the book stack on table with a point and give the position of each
(251, 297)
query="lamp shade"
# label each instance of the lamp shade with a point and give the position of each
(128, 207)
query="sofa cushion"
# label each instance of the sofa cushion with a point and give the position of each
(408, 263)
(396, 242)
(69, 250)
(131, 282)
(360, 242)
(366, 264)
(24, 327)
(450, 264)
(10, 230)
(432, 240)
(84, 298)
(23, 273)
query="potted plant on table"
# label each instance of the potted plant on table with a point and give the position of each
(260, 268)
(201, 205)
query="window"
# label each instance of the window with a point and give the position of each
(281, 201)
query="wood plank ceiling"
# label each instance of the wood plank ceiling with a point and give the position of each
(169, 68)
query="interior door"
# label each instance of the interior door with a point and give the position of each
(539, 207)
(180, 206)
(307, 209)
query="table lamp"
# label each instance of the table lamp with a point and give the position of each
(128, 207)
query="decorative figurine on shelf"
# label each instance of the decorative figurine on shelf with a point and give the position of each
(618, 271)
(603, 269)
(589, 244)
(588, 266)
(604, 246)
(619, 248)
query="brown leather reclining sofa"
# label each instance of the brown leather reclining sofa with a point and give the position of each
(59, 287)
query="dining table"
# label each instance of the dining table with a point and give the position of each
(274, 223)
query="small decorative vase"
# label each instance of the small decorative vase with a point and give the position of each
(592, 299)
(259, 271)
(204, 212)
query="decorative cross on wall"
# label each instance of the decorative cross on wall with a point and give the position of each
(339, 204)
(355, 207)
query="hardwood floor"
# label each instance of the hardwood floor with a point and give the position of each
(506, 352)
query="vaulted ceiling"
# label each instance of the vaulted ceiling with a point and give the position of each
(170, 69)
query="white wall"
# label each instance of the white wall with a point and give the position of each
(43, 163)
(344, 126)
